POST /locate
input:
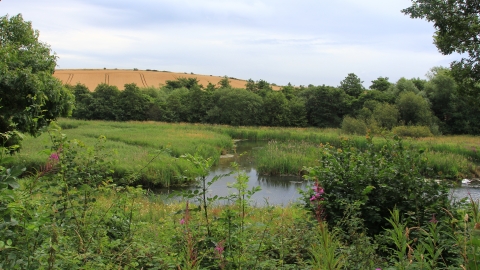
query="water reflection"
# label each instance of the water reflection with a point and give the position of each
(467, 190)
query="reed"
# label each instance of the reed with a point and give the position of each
(286, 158)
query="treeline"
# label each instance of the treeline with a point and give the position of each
(421, 107)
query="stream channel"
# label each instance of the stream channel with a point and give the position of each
(275, 190)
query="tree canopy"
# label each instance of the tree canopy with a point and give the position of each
(457, 26)
(30, 97)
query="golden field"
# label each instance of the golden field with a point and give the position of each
(143, 78)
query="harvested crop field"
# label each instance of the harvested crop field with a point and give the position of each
(143, 78)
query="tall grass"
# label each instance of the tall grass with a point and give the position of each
(149, 148)
(286, 158)
(138, 146)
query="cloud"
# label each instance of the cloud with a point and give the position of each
(281, 41)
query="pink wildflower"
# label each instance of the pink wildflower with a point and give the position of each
(219, 248)
(318, 192)
(54, 156)
(182, 221)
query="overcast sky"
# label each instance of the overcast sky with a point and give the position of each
(302, 42)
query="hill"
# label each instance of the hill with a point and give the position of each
(143, 78)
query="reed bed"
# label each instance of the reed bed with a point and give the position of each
(286, 158)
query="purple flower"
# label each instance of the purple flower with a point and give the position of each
(219, 248)
(54, 156)
(182, 221)
(318, 192)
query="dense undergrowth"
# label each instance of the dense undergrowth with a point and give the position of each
(366, 209)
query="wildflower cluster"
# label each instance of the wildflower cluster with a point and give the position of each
(318, 192)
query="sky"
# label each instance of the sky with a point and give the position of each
(302, 42)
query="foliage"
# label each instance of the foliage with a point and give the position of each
(351, 125)
(352, 85)
(276, 109)
(69, 215)
(237, 107)
(325, 105)
(378, 180)
(386, 115)
(224, 82)
(105, 102)
(455, 114)
(380, 84)
(412, 131)
(30, 96)
(132, 104)
(456, 24)
(413, 109)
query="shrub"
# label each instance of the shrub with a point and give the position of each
(412, 131)
(351, 125)
(376, 180)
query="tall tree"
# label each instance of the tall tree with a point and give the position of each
(325, 105)
(83, 99)
(105, 102)
(352, 85)
(457, 29)
(133, 104)
(380, 84)
(30, 97)
(414, 109)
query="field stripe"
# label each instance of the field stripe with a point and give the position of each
(70, 78)
(144, 81)
(107, 78)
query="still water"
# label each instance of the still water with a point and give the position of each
(275, 190)
(278, 190)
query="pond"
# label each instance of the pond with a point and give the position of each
(277, 190)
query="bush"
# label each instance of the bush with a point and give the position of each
(412, 131)
(377, 181)
(352, 125)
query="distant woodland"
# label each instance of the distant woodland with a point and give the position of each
(413, 107)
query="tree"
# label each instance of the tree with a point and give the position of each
(405, 85)
(224, 82)
(133, 104)
(188, 83)
(457, 29)
(380, 84)
(276, 109)
(83, 99)
(386, 115)
(414, 109)
(30, 97)
(237, 107)
(452, 110)
(325, 105)
(105, 102)
(352, 85)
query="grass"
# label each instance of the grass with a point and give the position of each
(286, 158)
(149, 148)
(153, 148)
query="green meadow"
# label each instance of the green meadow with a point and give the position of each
(148, 153)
